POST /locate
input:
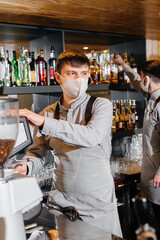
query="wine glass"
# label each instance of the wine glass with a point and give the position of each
(9, 120)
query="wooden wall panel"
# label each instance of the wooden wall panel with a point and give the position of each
(152, 49)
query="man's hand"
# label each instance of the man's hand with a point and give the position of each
(33, 118)
(156, 181)
(21, 168)
(119, 60)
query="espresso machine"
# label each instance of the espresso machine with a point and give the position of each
(18, 193)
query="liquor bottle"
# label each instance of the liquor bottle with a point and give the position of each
(134, 110)
(114, 72)
(41, 70)
(114, 117)
(132, 62)
(8, 70)
(126, 78)
(122, 116)
(32, 70)
(117, 115)
(23, 68)
(2, 67)
(131, 116)
(106, 69)
(15, 71)
(120, 74)
(94, 70)
(29, 68)
(52, 67)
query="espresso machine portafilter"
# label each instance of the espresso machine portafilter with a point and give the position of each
(18, 193)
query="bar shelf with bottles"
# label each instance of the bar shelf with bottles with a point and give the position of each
(104, 70)
(125, 117)
(37, 76)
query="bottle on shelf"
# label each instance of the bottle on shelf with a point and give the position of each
(94, 70)
(8, 70)
(132, 62)
(134, 110)
(106, 68)
(2, 66)
(120, 74)
(52, 67)
(126, 78)
(23, 68)
(15, 71)
(114, 72)
(29, 68)
(32, 70)
(41, 70)
(124, 115)
(130, 125)
(114, 116)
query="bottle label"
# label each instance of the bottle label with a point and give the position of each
(33, 76)
(2, 71)
(51, 73)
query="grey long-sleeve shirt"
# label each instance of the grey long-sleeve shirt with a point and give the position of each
(83, 177)
(151, 140)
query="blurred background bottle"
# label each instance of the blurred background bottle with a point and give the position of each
(41, 69)
(52, 67)
(23, 68)
(8, 70)
(132, 62)
(32, 69)
(94, 69)
(106, 68)
(15, 71)
(126, 78)
(2, 66)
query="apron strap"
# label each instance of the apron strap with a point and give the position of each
(88, 112)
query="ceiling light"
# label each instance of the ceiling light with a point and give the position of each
(85, 48)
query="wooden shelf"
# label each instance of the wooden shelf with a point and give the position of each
(57, 89)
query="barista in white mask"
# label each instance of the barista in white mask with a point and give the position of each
(82, 145)
(148, 84)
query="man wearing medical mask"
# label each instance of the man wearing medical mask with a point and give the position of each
(82, 144)
(148, 84)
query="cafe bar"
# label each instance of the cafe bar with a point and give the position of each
(79, 120)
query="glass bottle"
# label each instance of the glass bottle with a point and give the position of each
(134, 110)
(132, 62)
(114, 117)
(106, 69)
(23, 68)
(15, 71)
(52, 67)
(126, 78)
(41, 70)
(114, 72)
(2, 66)
(8, 71)
(32, 70)
(94, 70)
(131, 117)
(120, 74)
(29, 59)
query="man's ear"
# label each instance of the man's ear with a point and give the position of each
(147, 80)
(58, 78)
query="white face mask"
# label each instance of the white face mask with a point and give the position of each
(145, 87)
(74, 88)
